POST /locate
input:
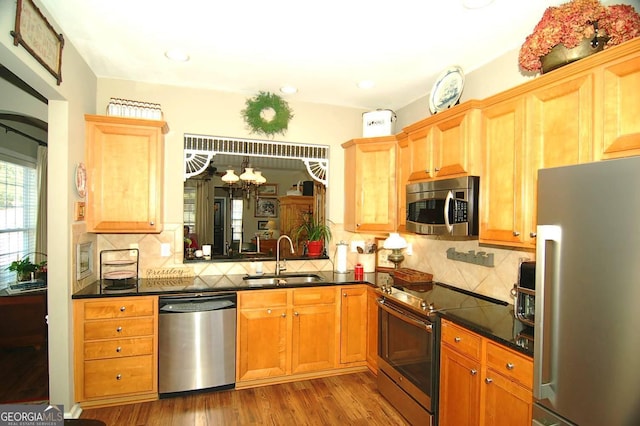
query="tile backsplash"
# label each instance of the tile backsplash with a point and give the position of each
(429, 255)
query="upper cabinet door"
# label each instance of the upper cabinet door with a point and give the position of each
(370, 202)
(620, 104)
(446, 144)
(503, 188)
(124, 159)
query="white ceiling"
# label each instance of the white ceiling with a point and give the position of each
(323, 48)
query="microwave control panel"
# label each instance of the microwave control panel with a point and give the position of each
(459, 211)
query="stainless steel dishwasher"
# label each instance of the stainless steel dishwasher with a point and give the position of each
(196, 343)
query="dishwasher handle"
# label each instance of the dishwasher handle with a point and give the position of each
(169, 305)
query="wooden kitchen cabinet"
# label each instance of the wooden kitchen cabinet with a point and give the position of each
(372, 329)
(446, 144)
(370, 203)
(294, 210)
(482, 382)
(459, 389)
(124, 163)
(505, 186)
(353, 324)
(508, 382)
(116, 355)
(263, 334)
(619, 102)
(285, 332)
(403, 169)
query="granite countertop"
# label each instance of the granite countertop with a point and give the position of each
(207, 284)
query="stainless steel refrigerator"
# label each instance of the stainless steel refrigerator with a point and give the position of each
(587, 332)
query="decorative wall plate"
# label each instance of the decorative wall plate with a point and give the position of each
(447, 89)
(81, 180)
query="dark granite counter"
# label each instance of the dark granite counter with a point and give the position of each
(204, 284)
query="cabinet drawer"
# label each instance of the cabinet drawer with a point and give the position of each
(118, 348)
(462, 340)
(262, 299)
(121, 308)
(118, 328)
(314, 296)
(110, 377)
(510, 364)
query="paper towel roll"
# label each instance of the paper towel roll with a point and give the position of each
(341, 257)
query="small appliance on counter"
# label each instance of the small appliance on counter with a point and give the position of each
(524, 303)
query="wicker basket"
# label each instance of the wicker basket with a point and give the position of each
(412, 276)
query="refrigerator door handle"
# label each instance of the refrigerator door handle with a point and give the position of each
(546, 328)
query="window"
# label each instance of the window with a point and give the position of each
(18, 213)
(236, 219)
(189, 217)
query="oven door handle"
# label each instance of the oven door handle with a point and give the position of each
(447, 201)
(404, 317)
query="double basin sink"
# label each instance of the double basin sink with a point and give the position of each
(282, 279)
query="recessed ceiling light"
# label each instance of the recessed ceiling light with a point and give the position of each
(289, 90)
(366, 84)
(177, 55)
(476, 4)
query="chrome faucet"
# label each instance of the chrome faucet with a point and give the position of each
(278, 269)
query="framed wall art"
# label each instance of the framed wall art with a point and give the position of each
(268, 189)
(266, 207)
(38, 37)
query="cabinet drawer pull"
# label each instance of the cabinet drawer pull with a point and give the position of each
(296, 313)
(118, 349)
(457, 339)
(488, 380)
(516, 233)
(533, 235)
(268, 311)
(474, 371)
(344, 295)
(119, 329)
(152, 223)
(122, 308)
(283, 315)
(510, 366)
(118, 377)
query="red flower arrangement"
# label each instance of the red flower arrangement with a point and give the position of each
(571, 22)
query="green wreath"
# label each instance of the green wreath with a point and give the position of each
(258, 107)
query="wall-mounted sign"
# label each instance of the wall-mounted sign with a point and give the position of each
(38, 37)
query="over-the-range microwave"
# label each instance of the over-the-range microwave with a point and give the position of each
(444, 207)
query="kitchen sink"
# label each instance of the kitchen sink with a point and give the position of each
(282, 279)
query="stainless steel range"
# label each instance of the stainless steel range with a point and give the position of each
(409, 349)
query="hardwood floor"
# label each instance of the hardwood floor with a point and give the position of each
(351, 399)
(25, 374)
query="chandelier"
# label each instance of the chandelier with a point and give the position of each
(249, 180)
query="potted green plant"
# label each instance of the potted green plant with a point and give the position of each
(576, 29)
(317, 233)
(24, 267)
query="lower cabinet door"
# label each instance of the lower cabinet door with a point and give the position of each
(459, 389)
(314, 338)
(262, 345)
(118, 376)
(506, 402)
